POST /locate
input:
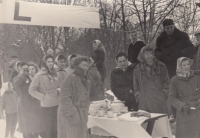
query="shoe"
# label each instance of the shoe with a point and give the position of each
(172, 119)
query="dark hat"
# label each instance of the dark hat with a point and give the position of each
(168, 22)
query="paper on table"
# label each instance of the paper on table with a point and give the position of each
(127, 117)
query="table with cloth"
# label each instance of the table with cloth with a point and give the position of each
(104, 126)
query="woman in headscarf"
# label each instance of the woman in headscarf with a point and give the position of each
(29, 110)
(98, 55)
(44, 87)
(70, 67)
(74, 102)
(184, 95)
(151, 82)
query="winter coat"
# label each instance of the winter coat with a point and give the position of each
(185, 91)
(29, 109)
(121, 84)
(169, 49)
(151, 91)
(9, 102)
(99, 58)
(134, 49)
(44, 88)
(96, 86)
(73, 107)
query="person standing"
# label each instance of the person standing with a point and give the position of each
(45, 87)
(70, 67)
(9, 104)
(184, 95)
(74, 102)
(99, 55)
(151, 82)
(196, 59)
(29, 109)
(172, 44)
(134, 47)
(122, 81)
(96, 86)
(61, 68)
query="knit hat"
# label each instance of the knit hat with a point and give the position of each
(168, 22)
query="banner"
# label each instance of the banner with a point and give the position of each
(31, 13)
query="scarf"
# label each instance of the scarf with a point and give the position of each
(179, 70)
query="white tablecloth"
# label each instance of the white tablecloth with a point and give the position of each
(127, 129)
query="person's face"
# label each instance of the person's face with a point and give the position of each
(148, 55)
(62, 63)
(84, 65)
(133, 36)
(95, 45)
(169, 29)
(25, 68)
(72, 61)
(50, 63)
(122, 62)
(198, 38)
(185, 66)
(32, 70)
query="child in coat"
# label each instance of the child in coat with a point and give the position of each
(9, 105)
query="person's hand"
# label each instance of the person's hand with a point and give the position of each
(186, 109)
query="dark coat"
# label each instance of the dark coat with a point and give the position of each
(96, 86)
(73, 107)
(185, 91)
(29, 109)
(99, 58)
(133, 51)
(169, 49)
(121, 84)
(152, 90)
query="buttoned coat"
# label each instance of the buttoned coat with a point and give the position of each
(151, 91)
(185, 91)
(73, 106)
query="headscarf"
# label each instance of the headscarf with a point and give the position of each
(141, 54)
(179, 70)
(44, 68)
(100, 45)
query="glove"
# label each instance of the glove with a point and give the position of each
(186, 109)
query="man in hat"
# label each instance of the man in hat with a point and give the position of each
(134, 47)
(172, 44)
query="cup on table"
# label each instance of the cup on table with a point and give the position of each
(101, 113)
(110, 114)
(124, 110)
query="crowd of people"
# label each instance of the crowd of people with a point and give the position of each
(52, 100)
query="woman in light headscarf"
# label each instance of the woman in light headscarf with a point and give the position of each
(184, 95)
(45, 87)
(98, 55)
(151, 82)
(70, 61)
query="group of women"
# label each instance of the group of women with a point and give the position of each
(54, 100)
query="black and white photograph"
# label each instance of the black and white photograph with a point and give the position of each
(99, 69)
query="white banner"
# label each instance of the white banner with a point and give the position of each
(31, 13)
